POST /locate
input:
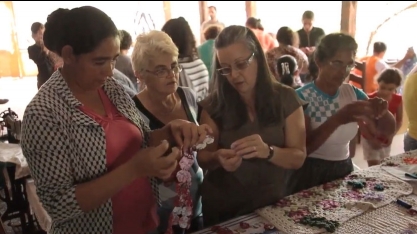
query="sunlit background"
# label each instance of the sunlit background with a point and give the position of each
(275, 14)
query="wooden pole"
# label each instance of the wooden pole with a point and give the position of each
(348, 18)
(250, 8)
(167, 10)
(202, 5)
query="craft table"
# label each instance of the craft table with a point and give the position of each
(388, 218)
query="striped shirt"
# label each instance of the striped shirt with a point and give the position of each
(198, 74)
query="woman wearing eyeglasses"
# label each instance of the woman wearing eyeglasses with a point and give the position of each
(333, 113)
(155, 62)
(258, 128)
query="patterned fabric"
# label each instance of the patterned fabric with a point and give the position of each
(320, 107)
(64, 147)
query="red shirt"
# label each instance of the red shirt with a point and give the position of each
(134, 207)
(393, 104)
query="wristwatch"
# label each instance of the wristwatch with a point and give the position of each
(271, 152)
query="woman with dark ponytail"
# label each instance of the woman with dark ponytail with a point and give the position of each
(287, 69)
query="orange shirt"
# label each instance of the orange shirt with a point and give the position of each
(267, 41)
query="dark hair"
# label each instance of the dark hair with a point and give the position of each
(125, 40)
(313, 70)
(212, 7)
(391, 76)
(308, 15)
(286, 36)
(181, 34)
(212, 32)
(379, 47)
(224, 97)
(330, 44)
(36, 27)
(286, 67)
(82, 28)
(254, 23)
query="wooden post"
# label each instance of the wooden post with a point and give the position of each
(203, 11)
(250, 9)
(348, 19)
(167, 10)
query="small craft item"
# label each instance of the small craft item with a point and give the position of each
(320, 222)
(339, 201)
(379, 187)
(244, 225)
(411, 175)
(183, 204)
(357, 184)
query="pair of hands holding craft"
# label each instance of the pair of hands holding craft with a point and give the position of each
(367, 114)
(162, 160)
(245, 148)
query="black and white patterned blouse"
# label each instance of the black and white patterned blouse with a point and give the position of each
(65, 147)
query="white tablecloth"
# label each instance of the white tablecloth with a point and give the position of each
(12, 153)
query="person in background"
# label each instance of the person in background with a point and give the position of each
(287, 69)
(124, 62)
(94, 160)
(206, 50)
(213, 21)
(39, 54)
(287, 40)
(309, 35)
(410, 104)
(388, 82)
(258, 129)
(194, 74)
(333, 112)
(124, 81)
(375, 64)
(267, 42)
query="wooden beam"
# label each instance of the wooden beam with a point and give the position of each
(202, 5)
(250, 9)
(348, 18)
(167, 10)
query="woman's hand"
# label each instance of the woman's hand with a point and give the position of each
(228, 159)
(379, 105)
(354, 111)
(152, 162)
(251, 147)
(187, 134)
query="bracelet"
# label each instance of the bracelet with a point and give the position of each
(271, 152)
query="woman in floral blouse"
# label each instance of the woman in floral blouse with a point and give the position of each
(86, 145)
(288, 45)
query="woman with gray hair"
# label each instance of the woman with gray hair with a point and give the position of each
(155, 62)
(258, 128)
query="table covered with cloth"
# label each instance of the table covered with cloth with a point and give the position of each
(380, 199)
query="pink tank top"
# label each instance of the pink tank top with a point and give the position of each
(134, 207)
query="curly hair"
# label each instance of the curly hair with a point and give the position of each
(181, 34)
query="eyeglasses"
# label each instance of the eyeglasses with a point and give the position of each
(164, 72)
(341, 65)
(239, 65)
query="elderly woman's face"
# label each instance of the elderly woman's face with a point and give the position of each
(162, 74)
(336, 69)
(239, 65)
